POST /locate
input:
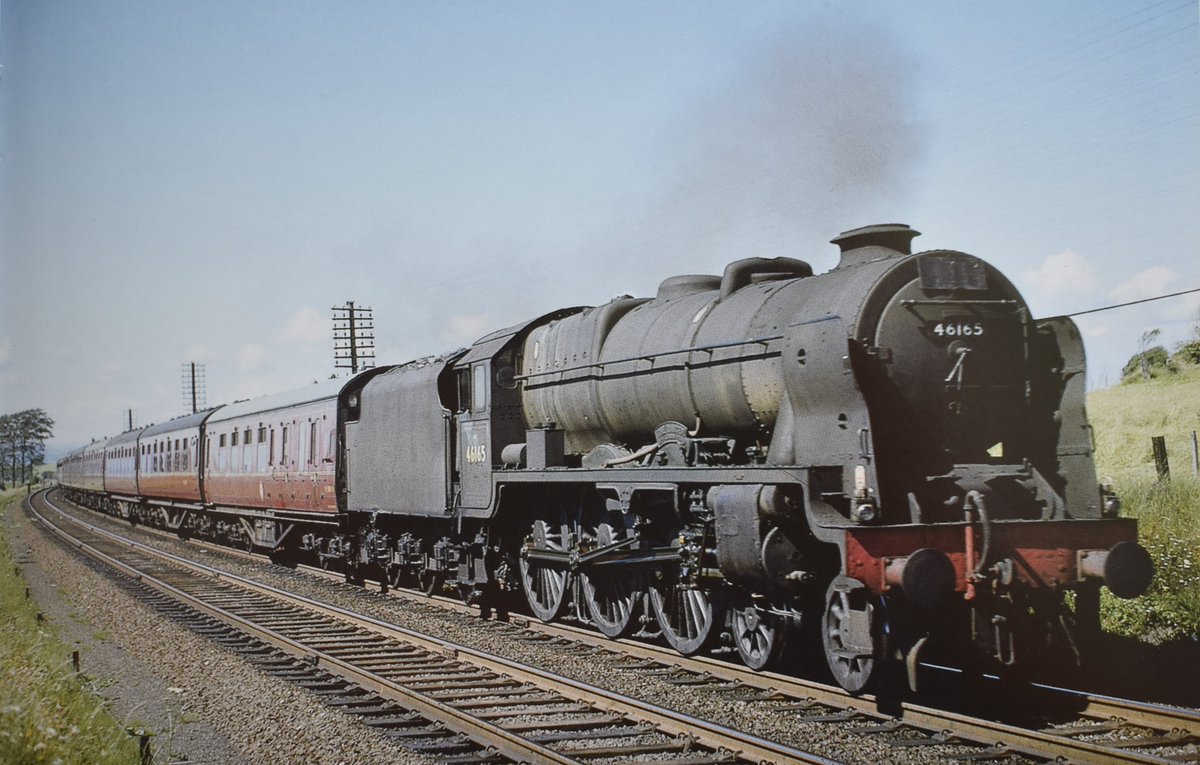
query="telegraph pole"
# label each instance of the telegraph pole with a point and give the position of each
(193, 384)
(353, 338)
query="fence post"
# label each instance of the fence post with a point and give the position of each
(1160, 457)
(1195, 455)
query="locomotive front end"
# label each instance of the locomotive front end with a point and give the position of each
(971, 504)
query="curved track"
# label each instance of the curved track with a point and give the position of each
(1107, 730)
(444, 696)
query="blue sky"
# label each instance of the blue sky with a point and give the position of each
(204, 181)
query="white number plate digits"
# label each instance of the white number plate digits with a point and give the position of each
(958, 329)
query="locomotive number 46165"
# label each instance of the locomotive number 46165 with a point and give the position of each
(958, 328)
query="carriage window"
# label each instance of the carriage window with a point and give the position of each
(313, 457)
(283, 452)
(271, 451)
(261, 451)
(234, 442)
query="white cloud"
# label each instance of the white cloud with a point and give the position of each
(251, 356)
(6, 347)
(464, 328)
(309, 327)
(1064, 273)
(1144, 284)
(1183, 308)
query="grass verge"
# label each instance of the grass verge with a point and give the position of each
(47, 714)
(1125, 418)
(1169, 526)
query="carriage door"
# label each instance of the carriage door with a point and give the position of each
(474, 436)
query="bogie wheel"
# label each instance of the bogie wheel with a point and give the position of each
(760, 635)
(851, 634)
(470, 594)
(687, 614)
(613, 595)
(430, 582)
(546, 584)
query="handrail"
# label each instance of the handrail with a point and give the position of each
(653, 356)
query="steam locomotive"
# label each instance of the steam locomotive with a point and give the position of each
(893, 455)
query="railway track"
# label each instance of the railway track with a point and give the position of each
(1107, 730)
(432, 696)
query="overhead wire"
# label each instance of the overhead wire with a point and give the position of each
(1127, 304)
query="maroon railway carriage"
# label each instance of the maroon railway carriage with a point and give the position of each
(120, 463)
(83, 469)
(170, 459)
(276, 452)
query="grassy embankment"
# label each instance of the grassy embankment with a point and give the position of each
(47, 713)
(1125, 418)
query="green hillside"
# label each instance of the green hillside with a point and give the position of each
(1124, 419)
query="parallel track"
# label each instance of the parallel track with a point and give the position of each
(465, 705)
(1108, 730)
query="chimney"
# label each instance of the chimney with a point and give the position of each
(862, 245)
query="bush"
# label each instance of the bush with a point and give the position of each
(1169, 526)
(1187, 353)
(1157, 359)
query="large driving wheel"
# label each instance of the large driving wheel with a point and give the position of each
(687, 614)
(851, 634)
(612, 594)
(758, 634)
(545, 584)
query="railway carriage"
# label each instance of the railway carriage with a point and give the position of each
(83, 469)
(270, 461)
(120, 464)
(171, 455)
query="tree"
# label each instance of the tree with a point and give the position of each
(23, 439)
(1143, 346)
(8, 452)
(1188, 352)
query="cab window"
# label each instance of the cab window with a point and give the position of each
(479, 388)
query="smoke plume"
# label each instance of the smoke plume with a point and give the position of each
(813, 134)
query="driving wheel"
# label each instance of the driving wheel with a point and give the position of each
(545, 583)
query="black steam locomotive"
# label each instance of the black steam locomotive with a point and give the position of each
(894, 454)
